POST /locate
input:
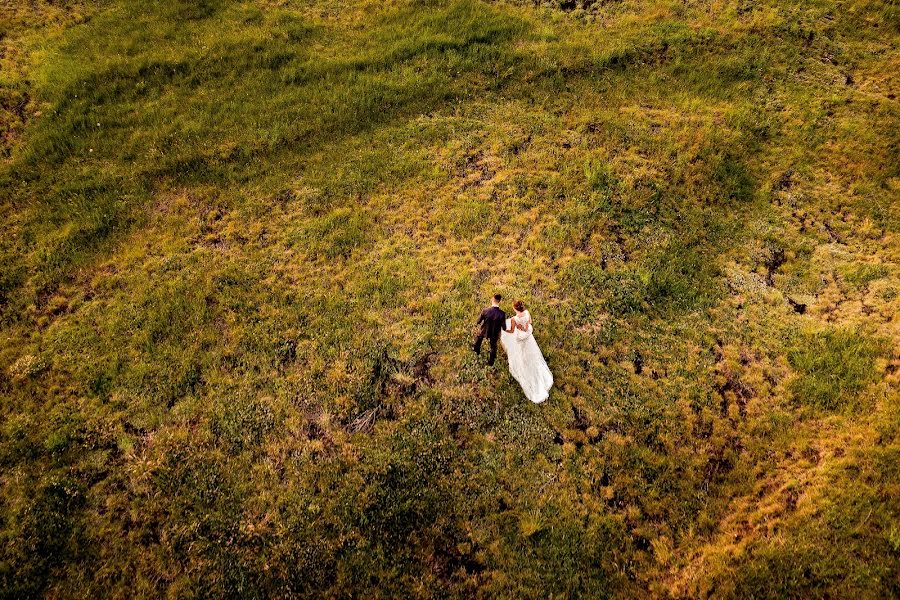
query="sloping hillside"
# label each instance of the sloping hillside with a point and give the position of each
(245, 242)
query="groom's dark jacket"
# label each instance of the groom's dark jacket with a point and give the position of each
(492, 321)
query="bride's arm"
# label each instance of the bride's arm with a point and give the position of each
(512, 326)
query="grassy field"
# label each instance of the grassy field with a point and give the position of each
(244, 243)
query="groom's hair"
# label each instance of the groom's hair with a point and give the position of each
(497, 298)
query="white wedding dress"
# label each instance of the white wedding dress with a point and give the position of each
(526, 363)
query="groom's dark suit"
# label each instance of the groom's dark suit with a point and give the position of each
(492, 321)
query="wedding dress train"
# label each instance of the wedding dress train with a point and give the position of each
(526, 363)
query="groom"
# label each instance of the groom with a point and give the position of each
(492, 320)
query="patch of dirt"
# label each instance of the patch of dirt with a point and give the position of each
(475, 170)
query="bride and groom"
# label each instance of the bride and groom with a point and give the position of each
(526, 363)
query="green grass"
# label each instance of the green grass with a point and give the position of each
(245, 242)
(811, 558)
(833, 367)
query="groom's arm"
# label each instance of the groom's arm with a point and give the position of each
(480, 318)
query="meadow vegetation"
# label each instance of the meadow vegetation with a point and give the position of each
(244, 243)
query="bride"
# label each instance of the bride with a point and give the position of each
(526, 363)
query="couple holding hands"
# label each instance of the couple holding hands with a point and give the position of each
(516, 334)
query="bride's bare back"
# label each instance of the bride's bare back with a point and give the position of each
(521, 321)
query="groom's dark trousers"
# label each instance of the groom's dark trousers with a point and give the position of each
(492, 321)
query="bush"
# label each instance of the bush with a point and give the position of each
(682, 277)
(243, 423)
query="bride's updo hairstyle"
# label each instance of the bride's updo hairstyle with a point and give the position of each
(519, 305)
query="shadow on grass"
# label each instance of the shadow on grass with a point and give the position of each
(133, 119)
